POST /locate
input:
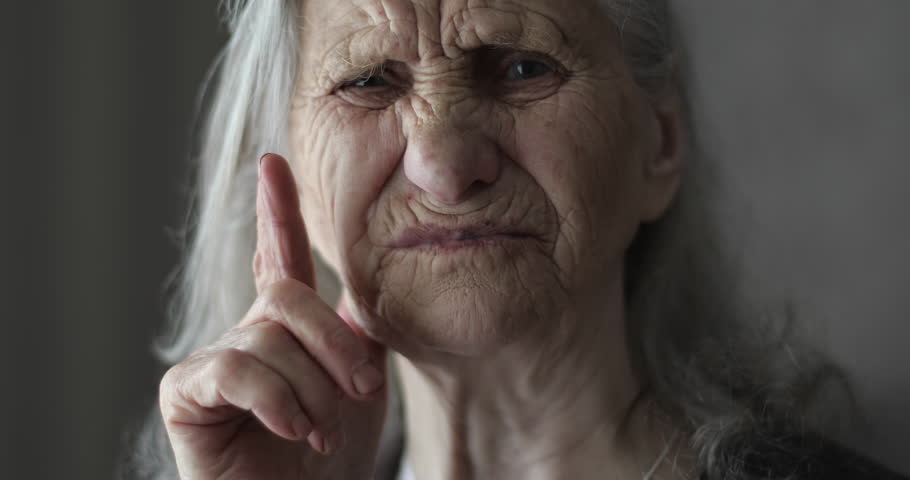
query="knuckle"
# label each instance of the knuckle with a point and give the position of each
(177, 375)
(264, 336)
(323, 400)
(168, 385)
(167, 380)
(173, 389)
(283, 294)
(227, 366)
(277, 393)
(169, 396)
(340, 340)
(228, 339)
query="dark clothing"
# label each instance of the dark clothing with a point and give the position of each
(806, 457)
(800, 458)
(757, 453)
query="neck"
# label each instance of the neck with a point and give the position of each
(556, 406)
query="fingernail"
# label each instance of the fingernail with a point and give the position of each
(301, 426)
(367, 379)
(260, 162)
(318, 442)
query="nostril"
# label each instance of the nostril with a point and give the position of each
(450, 165)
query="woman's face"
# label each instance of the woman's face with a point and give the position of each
(473, 169)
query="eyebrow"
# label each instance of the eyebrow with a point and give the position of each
(347, 54)
(528, 32)
(529, 39)
(524, 29)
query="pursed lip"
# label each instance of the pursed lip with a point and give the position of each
(435, 236)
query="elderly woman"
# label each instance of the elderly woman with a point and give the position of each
(531, 285)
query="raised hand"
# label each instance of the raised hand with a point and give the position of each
(292, 392)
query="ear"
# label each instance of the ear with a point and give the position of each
(663, 163)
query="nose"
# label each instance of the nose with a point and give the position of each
(449, 163)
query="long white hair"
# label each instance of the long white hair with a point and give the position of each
(716, 364)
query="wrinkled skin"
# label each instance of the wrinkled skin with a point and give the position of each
(474, 170)
(572, 156)
(289, 385)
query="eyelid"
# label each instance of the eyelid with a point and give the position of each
(372, 97)
(391, 71)
(351, 79)
(515, 56)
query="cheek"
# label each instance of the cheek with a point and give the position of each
(344, 157)
(580, 148)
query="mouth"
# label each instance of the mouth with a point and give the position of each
(438, 238)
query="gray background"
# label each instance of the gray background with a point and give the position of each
(804, 102)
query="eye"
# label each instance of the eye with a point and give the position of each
(376, 88)
(367, 81)
(527, 69)
(523, 77)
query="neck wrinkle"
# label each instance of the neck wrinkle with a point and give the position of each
(524, 414)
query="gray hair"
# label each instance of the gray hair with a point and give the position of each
(716, 365)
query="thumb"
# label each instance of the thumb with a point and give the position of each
(282, 245)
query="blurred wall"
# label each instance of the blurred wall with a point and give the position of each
(803, 102)
(99, 102)
(806, 105)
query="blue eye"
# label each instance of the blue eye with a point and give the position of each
(528, 69)
(367, 81)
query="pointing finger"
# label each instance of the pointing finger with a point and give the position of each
(282, 245)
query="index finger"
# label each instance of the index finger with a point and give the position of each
(282, 245)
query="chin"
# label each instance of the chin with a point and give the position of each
(465, 316)
(466, 301)
(459, 322)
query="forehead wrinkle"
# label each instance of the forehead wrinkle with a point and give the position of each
(429, 37)
(324, 35)
(504, 24)
(355, 51)
(375, 31)
(321, 64)
(370, 32)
